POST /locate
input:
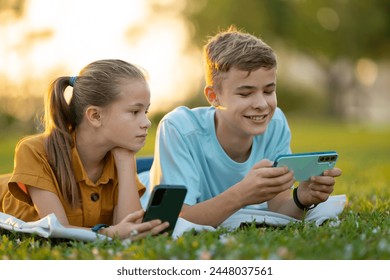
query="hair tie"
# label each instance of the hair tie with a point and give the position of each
(72, 80)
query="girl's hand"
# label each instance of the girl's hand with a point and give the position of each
(318, 188)
(122, 154)
(128, 228)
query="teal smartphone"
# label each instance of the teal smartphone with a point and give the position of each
(165, 204)
(306, 165)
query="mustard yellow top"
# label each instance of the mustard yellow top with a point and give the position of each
(32, 168)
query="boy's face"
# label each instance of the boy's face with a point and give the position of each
(247, 102)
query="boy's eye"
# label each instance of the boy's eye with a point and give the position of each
(269, 90)
(244, 94)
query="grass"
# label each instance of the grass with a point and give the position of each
(362, 231)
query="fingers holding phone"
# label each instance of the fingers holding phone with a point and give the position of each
(263, 171)
(263, 182)
(312, 192)
(139, 229)
(318, 188)
(142, 230)
(334, 172)
(131, 228)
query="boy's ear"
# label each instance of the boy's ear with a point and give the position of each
(211, 96)
(93, 115)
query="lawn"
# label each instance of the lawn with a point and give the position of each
(362, 232)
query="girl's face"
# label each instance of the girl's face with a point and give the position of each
(125, 123)
(247, 102)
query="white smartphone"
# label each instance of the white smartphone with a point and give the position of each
(306, 165)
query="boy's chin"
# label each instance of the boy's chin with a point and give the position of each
(258, 131)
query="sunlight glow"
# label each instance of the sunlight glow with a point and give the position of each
(366, 71)
(63, 36)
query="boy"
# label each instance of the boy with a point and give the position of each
(224, 153)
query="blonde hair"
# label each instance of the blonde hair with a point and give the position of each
(98, 85)
(235, 49)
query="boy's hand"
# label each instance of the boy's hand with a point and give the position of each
(264, 182)
(318, 188)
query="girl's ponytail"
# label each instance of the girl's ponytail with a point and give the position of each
(59, 124)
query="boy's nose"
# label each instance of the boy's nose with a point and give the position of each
(260, 101)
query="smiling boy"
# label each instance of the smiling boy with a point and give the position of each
(224, 153)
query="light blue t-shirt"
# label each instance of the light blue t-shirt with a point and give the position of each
(187, 152)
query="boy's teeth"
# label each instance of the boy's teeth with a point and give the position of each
(257, 118)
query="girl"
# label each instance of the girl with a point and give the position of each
(83, 168)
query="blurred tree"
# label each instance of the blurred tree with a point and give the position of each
(15, 95)
(338, 34)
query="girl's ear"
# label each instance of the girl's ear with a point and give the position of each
(93, 115)
(211, 96)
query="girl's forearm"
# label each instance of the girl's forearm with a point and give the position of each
(128, 197)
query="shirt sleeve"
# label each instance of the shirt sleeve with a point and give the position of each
(174, 163)
(280, 138)
(285, 139)
(31, 168)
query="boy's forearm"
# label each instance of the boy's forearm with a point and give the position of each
(284, 204)
(214, 211)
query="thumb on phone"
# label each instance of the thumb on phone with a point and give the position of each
(134, 217)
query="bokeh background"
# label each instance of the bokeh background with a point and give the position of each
(333, 55)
